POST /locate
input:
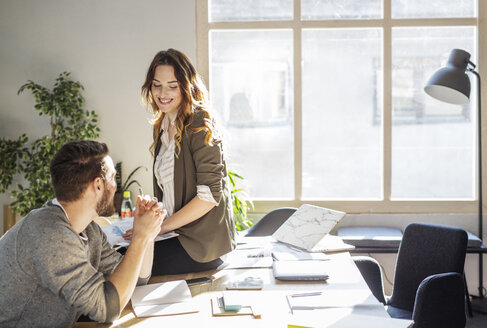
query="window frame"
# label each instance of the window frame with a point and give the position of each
(387, 23)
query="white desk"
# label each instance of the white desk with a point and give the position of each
(345, 281)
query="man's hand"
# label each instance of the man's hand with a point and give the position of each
(149, 215)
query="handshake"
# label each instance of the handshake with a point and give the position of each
(148, 218)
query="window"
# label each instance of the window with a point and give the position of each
(322, 101)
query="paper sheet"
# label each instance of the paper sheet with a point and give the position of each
(283, 252)
(115, 231)
(248, 258)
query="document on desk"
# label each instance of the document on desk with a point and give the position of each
(168, 298)
(248, 258)
(283, 252)
(313, 299)
(115, 231)
(244, 242)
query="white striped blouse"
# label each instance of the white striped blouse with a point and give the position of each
(164, 172)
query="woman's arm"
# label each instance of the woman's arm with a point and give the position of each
(190, 212)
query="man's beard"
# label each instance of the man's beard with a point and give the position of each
(105, 207)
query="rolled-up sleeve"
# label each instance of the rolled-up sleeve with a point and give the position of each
(204, 193)
(208, 160)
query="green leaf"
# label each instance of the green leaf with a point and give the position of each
(127, 182)
(240, 202)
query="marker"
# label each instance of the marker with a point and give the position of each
(141, 192)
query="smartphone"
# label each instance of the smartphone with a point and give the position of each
(197, 281)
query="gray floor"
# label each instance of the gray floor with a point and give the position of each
(477, 321)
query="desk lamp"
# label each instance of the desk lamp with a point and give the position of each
(451, 84)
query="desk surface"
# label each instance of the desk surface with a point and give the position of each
(345, 281)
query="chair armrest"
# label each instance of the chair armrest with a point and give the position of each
(440, 301)
(372, 274)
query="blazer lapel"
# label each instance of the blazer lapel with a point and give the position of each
(157, 191)
(179, 180)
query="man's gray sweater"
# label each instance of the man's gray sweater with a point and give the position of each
(50, 275)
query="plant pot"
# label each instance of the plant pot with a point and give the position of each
(9, 218)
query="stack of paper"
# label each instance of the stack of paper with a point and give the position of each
(173, 297)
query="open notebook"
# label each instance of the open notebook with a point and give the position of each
(308, 229)
(168, 298)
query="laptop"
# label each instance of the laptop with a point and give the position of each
(300, 270)
(309, 226)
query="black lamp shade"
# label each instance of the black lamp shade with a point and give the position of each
(451, 84)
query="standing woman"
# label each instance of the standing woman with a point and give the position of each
(190, 174)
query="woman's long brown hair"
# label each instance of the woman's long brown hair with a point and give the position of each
(194, 97)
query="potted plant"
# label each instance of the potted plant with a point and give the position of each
(122, 186)
(68, 120)
(241, 202)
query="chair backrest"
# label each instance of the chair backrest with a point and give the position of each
(440, 302)
(271, 222)
(426, 249)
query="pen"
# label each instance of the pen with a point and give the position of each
(290, 306)
(306, 294)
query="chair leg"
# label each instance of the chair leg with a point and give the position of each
(467, 298)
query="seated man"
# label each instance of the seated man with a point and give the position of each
(56, 263)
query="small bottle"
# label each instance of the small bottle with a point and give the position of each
(127, 208)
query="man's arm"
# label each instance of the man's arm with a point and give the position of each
(137, 261)
(146, 268)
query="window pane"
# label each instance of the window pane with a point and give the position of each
(250, 10)
(433, 143)
(433, 8)
(343, 9)
(251, 88)
(342, 110)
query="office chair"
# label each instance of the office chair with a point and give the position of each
(428, 282)
(271, 222)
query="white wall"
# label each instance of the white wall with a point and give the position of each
(108, 46)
